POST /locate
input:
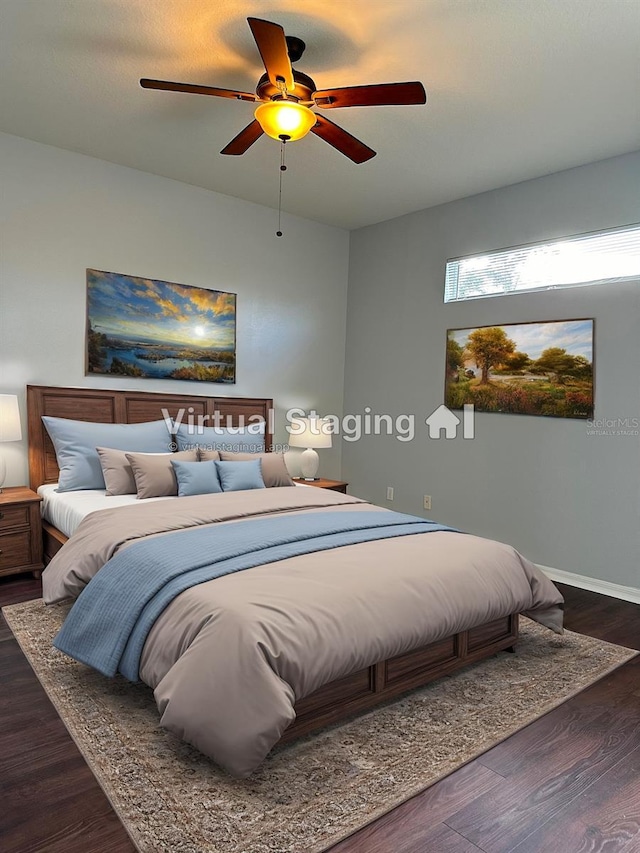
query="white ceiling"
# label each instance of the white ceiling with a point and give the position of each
(516, 89)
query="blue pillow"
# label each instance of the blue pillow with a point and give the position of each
(196, 478)
(75, 444)
(249, 439)
(240, 476)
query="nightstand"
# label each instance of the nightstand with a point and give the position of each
(323, 483)
(20, 531)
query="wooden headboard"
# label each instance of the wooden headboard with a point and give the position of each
(123, 407)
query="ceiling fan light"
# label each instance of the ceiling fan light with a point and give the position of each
(285, 118)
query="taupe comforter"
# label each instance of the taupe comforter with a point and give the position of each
(229, 658)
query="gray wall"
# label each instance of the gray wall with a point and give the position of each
(565, 498)
(62, 212)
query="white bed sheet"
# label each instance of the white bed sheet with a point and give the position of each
(65, 510)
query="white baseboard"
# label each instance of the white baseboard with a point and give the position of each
(615, 590)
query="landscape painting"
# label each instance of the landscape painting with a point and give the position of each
(526, 369)
(159, 329)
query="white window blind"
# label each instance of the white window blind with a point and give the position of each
(599, 258)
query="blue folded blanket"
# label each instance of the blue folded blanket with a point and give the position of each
(108, 625)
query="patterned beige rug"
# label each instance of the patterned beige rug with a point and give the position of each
(312, 793)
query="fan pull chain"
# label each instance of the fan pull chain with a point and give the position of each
(283, 168)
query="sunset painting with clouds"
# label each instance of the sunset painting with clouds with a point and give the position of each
(159, 329)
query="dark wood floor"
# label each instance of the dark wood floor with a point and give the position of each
(568, 783)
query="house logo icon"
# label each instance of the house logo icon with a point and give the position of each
(443, 419)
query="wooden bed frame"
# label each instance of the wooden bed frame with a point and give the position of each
(118, 407)
(334, 701)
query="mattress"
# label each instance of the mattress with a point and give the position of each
(65, 510)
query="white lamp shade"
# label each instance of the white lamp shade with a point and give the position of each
(10, 429)
(310, 432)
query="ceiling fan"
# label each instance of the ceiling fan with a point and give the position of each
(286, 97)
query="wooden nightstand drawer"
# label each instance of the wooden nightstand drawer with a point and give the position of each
(20, 531)
(13, 516)
(15, 551)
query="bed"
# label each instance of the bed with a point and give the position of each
(305, 645)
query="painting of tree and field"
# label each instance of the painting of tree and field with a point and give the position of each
(526, 369)
(159, 329)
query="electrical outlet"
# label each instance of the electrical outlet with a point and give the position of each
(426, 504)
(389, 493)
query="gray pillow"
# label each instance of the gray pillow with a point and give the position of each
(75, 444)
(208, 455)
(116, 470)
(154, 475)
(274, 468)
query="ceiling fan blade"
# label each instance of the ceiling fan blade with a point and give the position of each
(272, 45)
(244, 140)
(382, 94)
(343, 141)
(194, 89)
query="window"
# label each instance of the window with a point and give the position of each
(599, 258)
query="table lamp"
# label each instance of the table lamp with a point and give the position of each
(310, 433)
(9, 427)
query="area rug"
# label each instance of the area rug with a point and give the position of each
(310, 794)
